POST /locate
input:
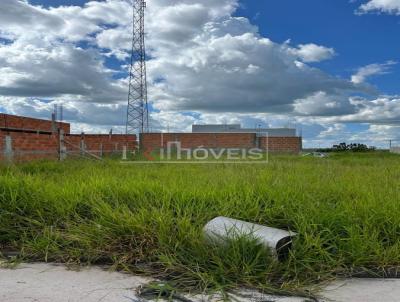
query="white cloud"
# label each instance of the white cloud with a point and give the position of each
(81, 112)
(202, 59)
(365, 72)
(314, 53)
(17, 17)
(384, 6)
(332, 131)
(224, 71)
(54, 70)
(323, 104)
(382, 110)
(378, 111)
(169, 121)
(73, 23)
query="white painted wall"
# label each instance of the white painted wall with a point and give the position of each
(395, 150)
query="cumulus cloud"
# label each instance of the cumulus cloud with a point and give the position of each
(44, 59)
(19, 19)
(18, 16)
(314, 53)
(381, 134)
(383, 6)
(374, 135)
(205, 66)
(365, 72)
(236, 71)
(202, 58)
(332, 131)
(54, 70)
(323, 104)
(371, 135)
(381, 110)
(81, 112)
(384, 110)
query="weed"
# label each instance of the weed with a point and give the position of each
(149, 218)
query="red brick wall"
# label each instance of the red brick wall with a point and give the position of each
(2, 135)
(29, 146)
(95, 142)
(21, 122)
(193, 140)
(281, 144)
(1, 145)
(222, 140)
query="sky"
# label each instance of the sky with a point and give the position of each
(329, 68)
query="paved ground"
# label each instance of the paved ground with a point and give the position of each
(50, 283)
(364, 290)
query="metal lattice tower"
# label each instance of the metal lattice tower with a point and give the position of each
(138, 113)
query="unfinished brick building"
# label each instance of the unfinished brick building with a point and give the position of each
(275, 140)
(24, 138)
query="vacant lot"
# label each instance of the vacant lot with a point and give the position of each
(148, 218)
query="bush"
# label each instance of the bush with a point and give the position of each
(343, 147)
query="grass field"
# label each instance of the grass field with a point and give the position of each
(149, 218)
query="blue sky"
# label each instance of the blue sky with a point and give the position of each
(359, 40)
(329, 68)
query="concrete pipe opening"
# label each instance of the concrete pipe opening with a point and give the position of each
(221, 229)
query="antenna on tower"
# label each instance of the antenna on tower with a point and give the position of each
(61, 112)
(54, 119)
(138, 113)
(55, 112)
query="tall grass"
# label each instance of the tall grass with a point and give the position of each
(149, 218)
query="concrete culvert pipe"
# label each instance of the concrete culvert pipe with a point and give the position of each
(278, 241)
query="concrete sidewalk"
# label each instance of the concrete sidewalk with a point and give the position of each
(53, 283)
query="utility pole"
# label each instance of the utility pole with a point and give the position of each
(138, 113)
